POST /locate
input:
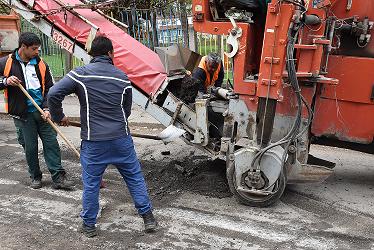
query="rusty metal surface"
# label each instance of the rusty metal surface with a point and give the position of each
(201, 135)
(344, 120)
(187, 116)
(177, 59)
(345, 111)
(306, 173)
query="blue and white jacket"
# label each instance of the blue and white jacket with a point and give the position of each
(105, 97)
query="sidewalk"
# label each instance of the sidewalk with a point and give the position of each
(71, 109)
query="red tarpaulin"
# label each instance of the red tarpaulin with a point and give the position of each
(142, 65)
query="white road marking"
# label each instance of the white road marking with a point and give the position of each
(8, 182)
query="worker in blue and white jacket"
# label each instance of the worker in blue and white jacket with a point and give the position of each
(105, 98)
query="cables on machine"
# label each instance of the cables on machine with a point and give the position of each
(294, 133)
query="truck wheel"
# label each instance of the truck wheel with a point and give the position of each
(254, 200)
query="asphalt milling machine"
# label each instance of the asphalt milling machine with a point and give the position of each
(302, 70)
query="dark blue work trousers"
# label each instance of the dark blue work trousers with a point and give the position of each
(95, 157)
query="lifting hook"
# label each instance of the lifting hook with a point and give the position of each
(233, 39)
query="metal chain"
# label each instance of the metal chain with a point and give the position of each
(92, 6)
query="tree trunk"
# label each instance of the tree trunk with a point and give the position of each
(184, 22)
(154, 30)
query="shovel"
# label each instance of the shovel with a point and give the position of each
(152, 137)
(167, 135)
(172, 132)
(49, 120)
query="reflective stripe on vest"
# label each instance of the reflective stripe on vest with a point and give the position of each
(209, 82)
(8, 67)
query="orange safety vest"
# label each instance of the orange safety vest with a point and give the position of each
(8, 66)
(209, 81)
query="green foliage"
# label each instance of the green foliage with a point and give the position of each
(57, 64)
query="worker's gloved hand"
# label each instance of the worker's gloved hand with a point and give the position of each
(64, 122)
(12, 81)
(46, 115)
(214, 90)
(199, 95)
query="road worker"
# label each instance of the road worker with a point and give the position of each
(210, 72)
(105, 98)
(25, 67)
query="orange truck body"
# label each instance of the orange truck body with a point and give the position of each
(9, 33)
(341, 94)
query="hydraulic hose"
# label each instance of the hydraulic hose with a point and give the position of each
(291, 68)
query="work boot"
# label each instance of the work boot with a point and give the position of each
(62, 183)
(150, 223)
(36, 184)
(89, 231)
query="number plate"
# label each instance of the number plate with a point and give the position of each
(63, 41)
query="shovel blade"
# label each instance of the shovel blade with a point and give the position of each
(171, 133)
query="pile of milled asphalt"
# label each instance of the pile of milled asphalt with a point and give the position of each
(196, 174)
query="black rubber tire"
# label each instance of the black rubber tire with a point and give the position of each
(254, 200)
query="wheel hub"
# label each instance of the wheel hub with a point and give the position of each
(262, 178)
(254, 179)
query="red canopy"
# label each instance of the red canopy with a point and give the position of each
(142, 65)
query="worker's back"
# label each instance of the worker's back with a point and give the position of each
(104, 94)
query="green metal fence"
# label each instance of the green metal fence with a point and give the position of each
(152, 27)
(164, 27)
(51, 53)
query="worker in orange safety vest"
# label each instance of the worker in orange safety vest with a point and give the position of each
(210, 72)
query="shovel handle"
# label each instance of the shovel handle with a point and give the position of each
(176, 113)
(63, 137)
(152, 137)
(49, 120)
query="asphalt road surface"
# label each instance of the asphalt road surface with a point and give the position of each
(192, 204)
